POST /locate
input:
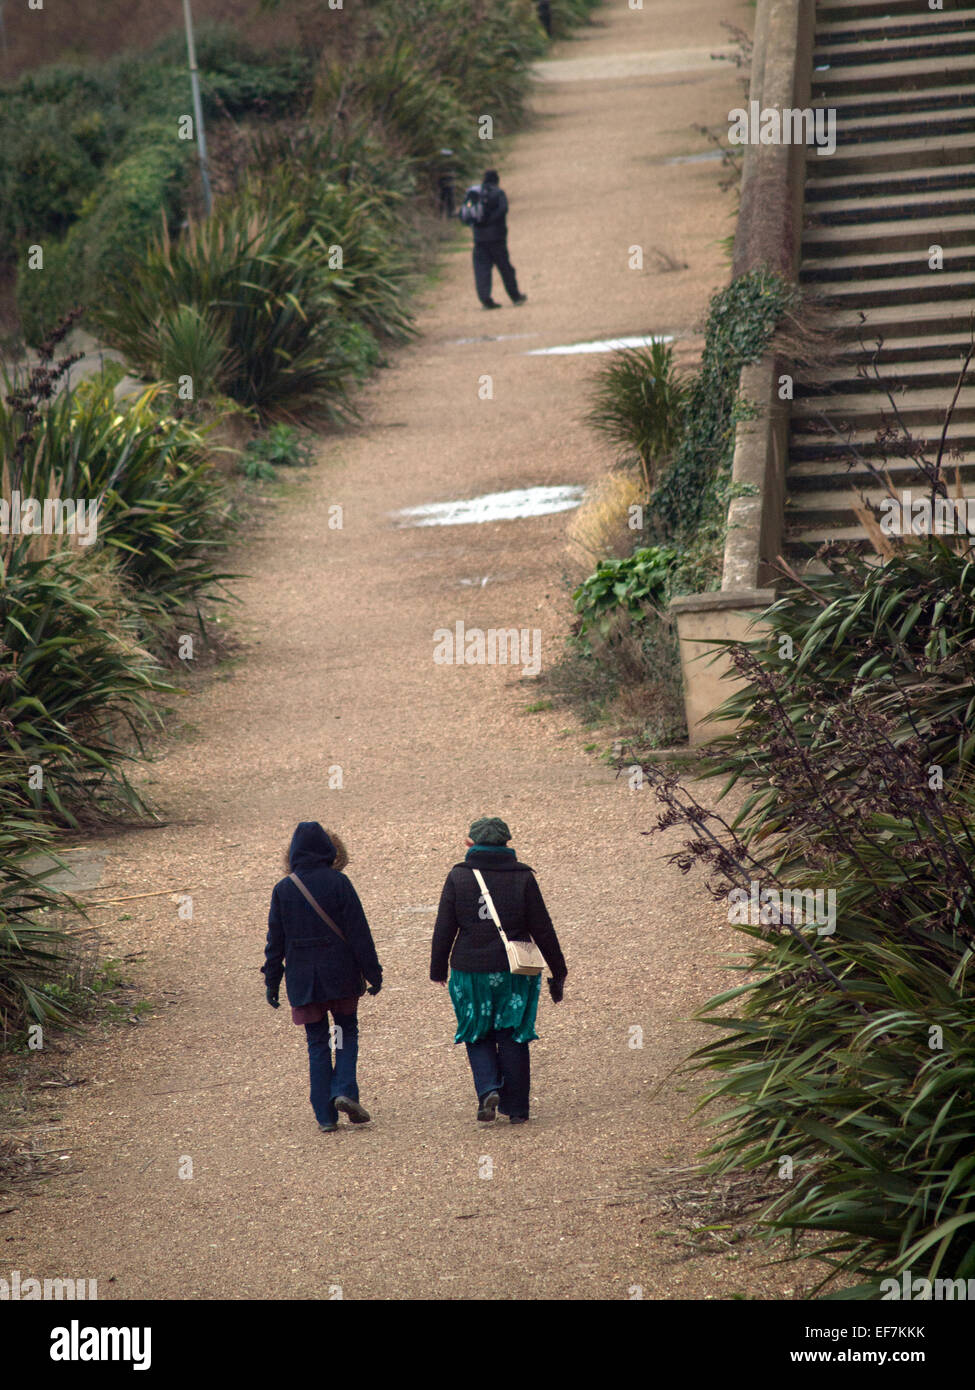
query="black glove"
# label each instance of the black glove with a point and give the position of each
(374, 989)
(556, 988)
(271, 995)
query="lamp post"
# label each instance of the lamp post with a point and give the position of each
(201, 138)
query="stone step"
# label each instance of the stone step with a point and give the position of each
(832, 211)
(935, 287)
(951, 180)
(922, 408)
(864, 160)
(904, 474)
(829, 510)
(898, 349)
(904, 320)
(838, 377)
(808, 444)
(832, 11)
(803, 543)
(909, 74)
(857, 27)
(907, 125)
(855, 105)
(821, 270)
(911, 237)
(873, 49)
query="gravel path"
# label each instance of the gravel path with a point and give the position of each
(339, 631)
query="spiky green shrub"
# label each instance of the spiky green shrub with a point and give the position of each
(639, 401)
(351, 238)
(161, 511)
(851, 1051)
(74, 684)
(486, 51)
(569, 15)
(258, 277)
(31, 943)
(395, 85)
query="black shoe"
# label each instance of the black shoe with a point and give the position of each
(519, 1119)
(520, 299)
(353, 1109)
(492, 304)
(487, 1108)
(328, 1129)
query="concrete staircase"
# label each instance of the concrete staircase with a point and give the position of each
(902, 81)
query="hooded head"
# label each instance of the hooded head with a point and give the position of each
(491, 177)
(311, 847)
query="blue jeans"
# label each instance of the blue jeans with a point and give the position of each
(498, 1063)
(328, 1082)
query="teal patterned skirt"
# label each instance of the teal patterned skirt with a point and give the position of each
(484, 1000)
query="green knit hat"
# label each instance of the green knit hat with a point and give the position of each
(489, 831)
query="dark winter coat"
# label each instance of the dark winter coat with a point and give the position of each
(468, 941)
(316, 963)
(493, 226)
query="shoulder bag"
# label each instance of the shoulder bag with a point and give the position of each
(524, 957)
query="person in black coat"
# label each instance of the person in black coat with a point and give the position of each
(325, 966)
(495, 1009)
(491, 244)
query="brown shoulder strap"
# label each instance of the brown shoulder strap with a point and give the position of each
(320, 910)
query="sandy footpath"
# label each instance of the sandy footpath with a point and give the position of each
(338, 672)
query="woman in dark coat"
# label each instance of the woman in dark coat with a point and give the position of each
(495, 1010)
(325, 966)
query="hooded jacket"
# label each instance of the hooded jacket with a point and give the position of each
(470, 941)
(316, 963)
(493, 226)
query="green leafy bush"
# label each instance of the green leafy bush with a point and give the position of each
(633, 587)
(281, 447)
(115, 222)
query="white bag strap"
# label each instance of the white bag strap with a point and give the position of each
(490, 905)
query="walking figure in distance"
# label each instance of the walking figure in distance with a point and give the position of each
(485, 209)
(319, 940)
(495, 1009)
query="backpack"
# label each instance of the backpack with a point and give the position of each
(472, 208)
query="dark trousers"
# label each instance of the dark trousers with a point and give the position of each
(498, 1063)
(544, 8)
(486, 255)
(327, 1081)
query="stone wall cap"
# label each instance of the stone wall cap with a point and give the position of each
(723, 599)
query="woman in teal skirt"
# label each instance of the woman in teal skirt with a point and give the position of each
(495, 1010)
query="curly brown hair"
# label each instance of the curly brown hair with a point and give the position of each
(341, 853)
